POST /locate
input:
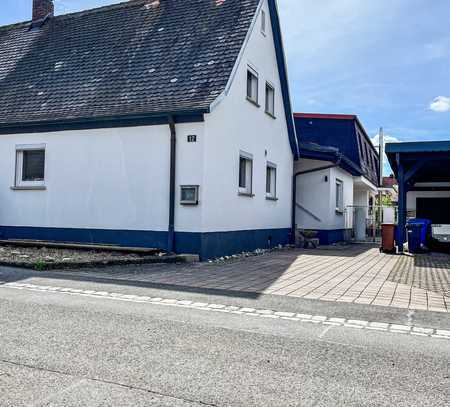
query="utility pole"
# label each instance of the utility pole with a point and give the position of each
(380, 193)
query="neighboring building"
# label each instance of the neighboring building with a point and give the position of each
(389, 189)
(163, 124)
(337, 176)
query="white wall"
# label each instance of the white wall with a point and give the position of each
(316, 192)
(103, 178)
(237, 125)
(341, 221)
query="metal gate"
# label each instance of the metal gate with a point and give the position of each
(365, 221)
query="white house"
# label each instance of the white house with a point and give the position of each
(336, 177)
(151, 123)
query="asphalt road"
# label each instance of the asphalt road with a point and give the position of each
(71, 350)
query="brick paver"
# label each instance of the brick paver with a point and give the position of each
(354, 273)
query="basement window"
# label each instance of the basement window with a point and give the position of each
(30, 167)
(189, 194)
(252, 86)
(245, 174)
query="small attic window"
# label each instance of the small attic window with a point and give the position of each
(263, 22)
(252, 85)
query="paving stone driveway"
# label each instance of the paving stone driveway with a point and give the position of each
(354, 273)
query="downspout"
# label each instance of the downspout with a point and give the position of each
(294, 191)
(173, 156)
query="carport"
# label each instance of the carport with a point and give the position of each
(423, 173)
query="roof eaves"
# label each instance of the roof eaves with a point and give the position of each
(131, 120)
(324, 116)
(284, 80)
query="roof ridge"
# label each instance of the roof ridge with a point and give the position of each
(122, 4)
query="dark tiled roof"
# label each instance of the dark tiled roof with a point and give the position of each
(131, 58)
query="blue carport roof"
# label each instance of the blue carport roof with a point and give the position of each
(435, 156)
(418, 147)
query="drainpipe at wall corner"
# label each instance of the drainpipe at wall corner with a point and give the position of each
(173, 156)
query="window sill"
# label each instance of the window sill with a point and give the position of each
(246, 194)
(253, 102)
(271, 115)
(339, 212)
(271, 198)
(29, 188)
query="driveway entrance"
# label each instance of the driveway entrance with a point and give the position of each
(355, 274)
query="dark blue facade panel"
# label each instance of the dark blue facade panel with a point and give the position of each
(327, 237)
(207, 245)
(337, 133)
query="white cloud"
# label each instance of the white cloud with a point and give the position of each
(387, 139)
(440, 104)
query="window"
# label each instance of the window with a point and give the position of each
(189, 195)
(252, 85)
(270, 100)
(271, 181)
(339, 196)
(30, 166)
(263, 22)
(245, 174)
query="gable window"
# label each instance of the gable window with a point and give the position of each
(339, 196)
(30, 166)
(270, 99)
(263, 22)
(271, 181)
(252, 85)
(245, 174)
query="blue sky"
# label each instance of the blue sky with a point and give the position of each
(386, 60)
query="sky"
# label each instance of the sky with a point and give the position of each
(388, 61)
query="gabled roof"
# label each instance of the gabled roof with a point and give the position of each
(133, 58)
(344, 133)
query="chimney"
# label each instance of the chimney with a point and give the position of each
(42, 9)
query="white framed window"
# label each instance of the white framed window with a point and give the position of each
(339, 196)
(252, 85)
(270, 99)
(30, 166)
(189, 194)
(271, 181)
(245, 174)
(263, 22)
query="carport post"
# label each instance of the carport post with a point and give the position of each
(402, 191)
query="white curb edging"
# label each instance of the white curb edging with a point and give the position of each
(261, 313)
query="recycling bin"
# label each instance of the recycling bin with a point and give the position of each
(418, 231)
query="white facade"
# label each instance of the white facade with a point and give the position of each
(118, 178)
(316, 196)
(101, 179)
(317, 207)
(236, 125)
